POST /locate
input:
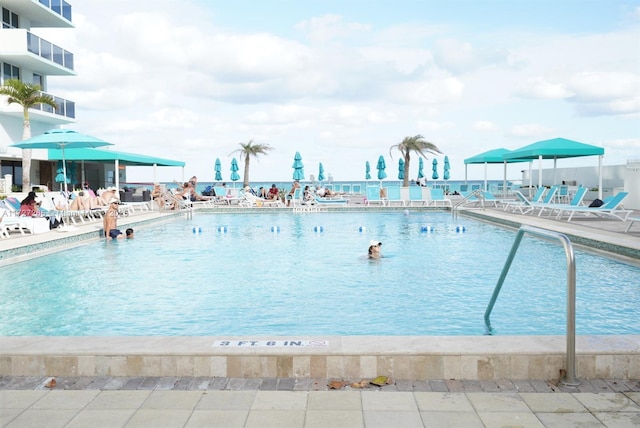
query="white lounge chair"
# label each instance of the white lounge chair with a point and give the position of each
(611, 208)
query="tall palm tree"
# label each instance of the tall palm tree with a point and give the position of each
(250, 149)
(27, 95)
(413, 144)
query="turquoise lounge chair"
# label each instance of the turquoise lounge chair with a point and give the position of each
(415, 196)
(394, 196)
(437, 197)
(523, 204)
(373, 196)
(576, 201)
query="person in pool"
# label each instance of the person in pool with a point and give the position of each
(374, 249)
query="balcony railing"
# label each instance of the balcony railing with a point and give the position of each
(60, 7)
(64, 107)
(49, 51)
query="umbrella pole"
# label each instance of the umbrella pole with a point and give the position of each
(64, 174)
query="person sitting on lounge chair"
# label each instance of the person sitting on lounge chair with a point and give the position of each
(273, 193)
(292, 192)
(29, 206)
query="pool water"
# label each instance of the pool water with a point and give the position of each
(287, 274)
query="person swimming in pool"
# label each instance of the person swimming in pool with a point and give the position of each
(374, 249)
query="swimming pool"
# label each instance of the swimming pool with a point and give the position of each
(285, 274)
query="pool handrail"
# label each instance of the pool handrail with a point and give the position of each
(570, 376)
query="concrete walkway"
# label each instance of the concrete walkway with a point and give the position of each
(285, 403)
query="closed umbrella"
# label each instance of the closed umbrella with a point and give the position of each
(321, 173)
(61, 139)
(367, 175)
(72, 174)
(234, 171)
(298, 167)
(420, 168)
(60, 177)
(445, 174)
(400, 169)
(218, 169)
(381, 167)
(435, 169)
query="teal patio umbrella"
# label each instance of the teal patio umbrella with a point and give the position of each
(61, 139)
(218, 169)
(420, 168)
(60, 177)
(298, 167)
(381, 167)
(434, 168)
(321, 173)
(234, 171)
(400, 169)
(367, 171)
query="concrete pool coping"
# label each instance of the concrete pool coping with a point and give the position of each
(415, 357)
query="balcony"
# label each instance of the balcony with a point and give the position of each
(42, 13)
(24, 49)
(64, 113)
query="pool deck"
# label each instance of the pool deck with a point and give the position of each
(437, 381)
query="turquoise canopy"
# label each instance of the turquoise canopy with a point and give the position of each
(492, 156)
(555, 148)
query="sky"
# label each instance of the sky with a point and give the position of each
(342, 81)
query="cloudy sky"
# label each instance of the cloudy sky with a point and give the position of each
(341, 81)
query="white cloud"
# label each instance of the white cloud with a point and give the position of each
(484, 126)
(327, 28)
(539, 87)
(530, 130)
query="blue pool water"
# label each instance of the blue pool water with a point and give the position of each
(235, 276)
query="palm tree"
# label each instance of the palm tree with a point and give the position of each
(27, 95)
(413, 144)
(250, 149)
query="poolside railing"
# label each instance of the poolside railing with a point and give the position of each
(570, 377)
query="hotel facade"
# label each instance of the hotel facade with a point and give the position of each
(26, 56)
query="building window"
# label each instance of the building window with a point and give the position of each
(10, 72)
(9, 19)
(38, 80)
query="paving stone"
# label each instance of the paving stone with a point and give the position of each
(541, 385)
(218, 383)
(183, 384)
(149, 383)
(438, 386)
(236, 384)
(472, 386)
(303, 384)
(404, 385)
(269, 384)
(586, 386)
(199, 383)
(286, 384)
(27, 382)
(505, 385)
(523, 386)
(252, 384)
(319, 385)
(454, 385)
(489, 386)
(167, 383)
(618, 385)
(115, 383)
(80, 383)
(98, 383)
(132, 383)
(601, 385)
(421, 386)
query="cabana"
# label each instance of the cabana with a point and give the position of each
(117, 158)
(554, 149)
(492, 156)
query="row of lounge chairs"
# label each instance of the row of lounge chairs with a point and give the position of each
(543, 202)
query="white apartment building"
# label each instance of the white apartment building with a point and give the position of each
(30, 58)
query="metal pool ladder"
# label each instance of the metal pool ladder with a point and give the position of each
(570, 378)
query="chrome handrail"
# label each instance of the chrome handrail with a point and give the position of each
(479, 193)
(570, 377)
